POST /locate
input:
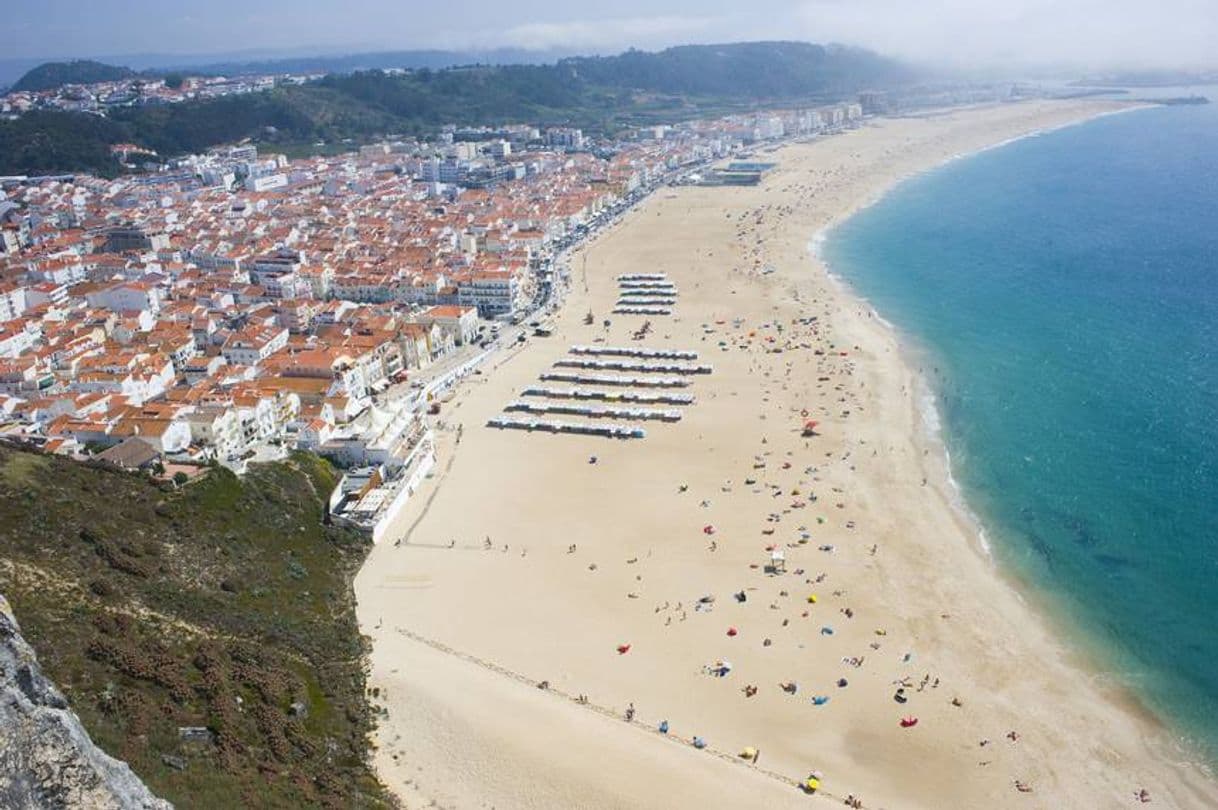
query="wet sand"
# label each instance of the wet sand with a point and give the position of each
(863, 511)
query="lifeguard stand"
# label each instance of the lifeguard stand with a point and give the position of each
(778, 561)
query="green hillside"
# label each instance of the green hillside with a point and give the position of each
(757, 70)
(51, 75)
(597, 93)
(225, 605)
(50, 141)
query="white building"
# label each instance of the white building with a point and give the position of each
(12, 302)
(267, 182)
(251, 346)
(460, 323)
(133, 296)
(491, 294)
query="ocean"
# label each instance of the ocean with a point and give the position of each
(1060, 293)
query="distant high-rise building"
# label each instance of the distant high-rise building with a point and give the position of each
(566, 137)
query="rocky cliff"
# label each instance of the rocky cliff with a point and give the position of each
(46, 758)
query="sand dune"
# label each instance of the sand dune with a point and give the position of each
(462, 634)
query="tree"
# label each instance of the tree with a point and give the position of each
(174, 81)
(180, 478)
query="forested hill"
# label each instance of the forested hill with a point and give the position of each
(597, 93)
(51, 75)
(776, 70)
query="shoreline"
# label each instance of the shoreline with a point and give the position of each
(1086, 654)
(425, 573)
(819, 237)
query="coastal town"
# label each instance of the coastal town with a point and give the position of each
(235, 306)
(136, 91)
(560, 405)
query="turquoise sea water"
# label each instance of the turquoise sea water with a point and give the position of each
(1061, 293)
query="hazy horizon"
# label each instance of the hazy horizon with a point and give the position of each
(1078, 34)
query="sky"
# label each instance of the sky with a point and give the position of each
(1087, 33)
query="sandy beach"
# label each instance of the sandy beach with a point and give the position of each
(521, 562)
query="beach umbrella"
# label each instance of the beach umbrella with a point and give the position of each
(708, 529)
(622, 649)
(812, 598)
(749, 752)
(731, 631)
(908, 722)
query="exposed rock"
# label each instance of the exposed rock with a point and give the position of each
(46, 757)
(177, 763)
